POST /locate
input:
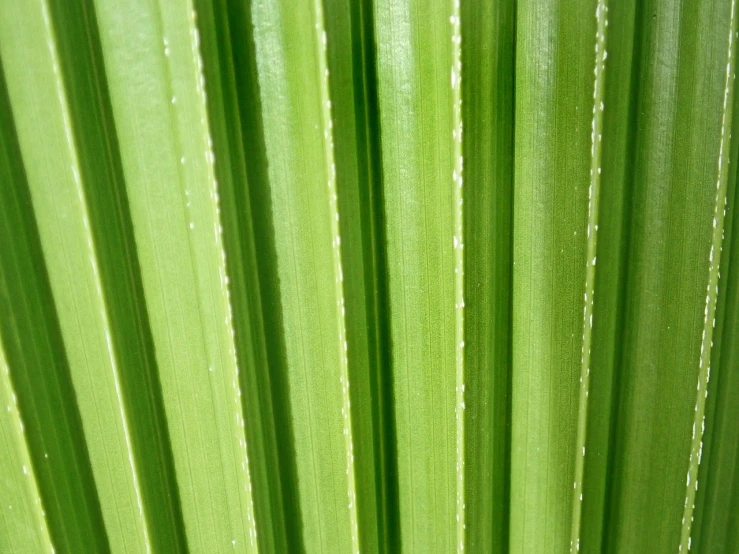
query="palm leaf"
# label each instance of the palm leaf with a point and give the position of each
(373, 276)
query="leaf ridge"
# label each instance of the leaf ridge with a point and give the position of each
(222, 354)
(709, 320)
(328, 145)
(72, 149)
(601, 15)
(13, 433)
(225, 297)
(458, 244)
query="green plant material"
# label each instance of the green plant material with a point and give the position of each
(158, 99)
(594, 192)
(618, 128)
(555, 57)
(717, 499)
(24, 524)
(291, 59)
(357, 144)
(675, 236)
(76, 185)
(42, 411)
(236, 124)
(718, 496)
(320, 276)
(415, 63)
(488, 87)
(714, 258)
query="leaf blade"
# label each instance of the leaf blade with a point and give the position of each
(296, 114)
(414, 68)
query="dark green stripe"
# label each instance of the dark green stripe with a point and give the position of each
(91, 116)
(234, 108)
(357, 136)
(39, 369)
(488, 50)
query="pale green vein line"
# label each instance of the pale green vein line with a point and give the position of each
(596, 136)
(709, 319)
(458, 243)
(328, 148)
(105, 323)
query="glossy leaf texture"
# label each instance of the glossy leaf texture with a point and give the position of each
(369, 276)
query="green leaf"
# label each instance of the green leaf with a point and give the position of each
(238, 142)
(44, 369)
(375, 276)
(158, 99)
(488, 91)
(555, 57)
(357, 147)
(421, 174)
(23, 516)
(24, 524)
(296, 108)
(615, 186)
(675, 232)
(716, 499)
